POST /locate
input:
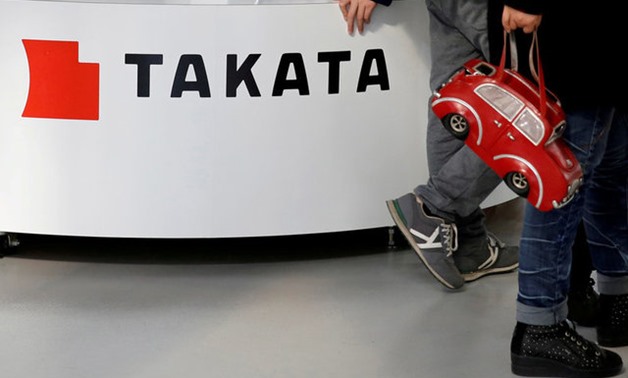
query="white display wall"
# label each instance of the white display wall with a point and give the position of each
(208, 118)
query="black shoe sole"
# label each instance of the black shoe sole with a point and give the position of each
(612, 341)
(543, 367)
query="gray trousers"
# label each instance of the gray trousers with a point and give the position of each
(459, 180)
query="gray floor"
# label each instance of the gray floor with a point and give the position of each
(336, 305)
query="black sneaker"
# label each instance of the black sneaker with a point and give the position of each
(432, 238)
(490, 256)
(559, 351)
(583, 304)
(612, 328)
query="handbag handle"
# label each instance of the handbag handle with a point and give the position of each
(535, 69)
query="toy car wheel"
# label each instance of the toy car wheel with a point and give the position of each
(457, 125)
(518, 183)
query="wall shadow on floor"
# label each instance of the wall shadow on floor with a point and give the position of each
(203, 251)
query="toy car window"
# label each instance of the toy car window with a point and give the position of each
(504, 102)
(485, 69)
(531, 126)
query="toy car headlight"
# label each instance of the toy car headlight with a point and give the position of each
(530, 126)
(557, 133)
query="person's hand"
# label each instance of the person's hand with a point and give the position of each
(356, 13)
(513, 19)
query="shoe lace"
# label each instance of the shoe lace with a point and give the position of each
(574, 336)
(494, 245)
(494, 241)
(449, 235)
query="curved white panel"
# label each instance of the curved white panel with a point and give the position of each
(208, 119)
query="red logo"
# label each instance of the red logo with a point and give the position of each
(60, 86)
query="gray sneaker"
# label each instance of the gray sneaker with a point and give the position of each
(489, 256)
(432, 238)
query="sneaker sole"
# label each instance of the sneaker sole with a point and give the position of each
(469, 277)
(392, 209)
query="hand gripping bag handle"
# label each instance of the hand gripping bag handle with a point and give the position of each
(535, 69)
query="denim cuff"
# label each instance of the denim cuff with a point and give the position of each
(609, 285)
(541, 315)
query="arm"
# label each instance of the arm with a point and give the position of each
(358, 12)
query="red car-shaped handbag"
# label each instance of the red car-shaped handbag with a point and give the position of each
(514, 126)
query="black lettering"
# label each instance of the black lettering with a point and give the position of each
(201, 85)
(235, 75)
(143, 62)
(334, 58)
(381, 78)
(281, 79)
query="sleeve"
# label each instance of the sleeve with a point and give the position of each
(383, 2)
(527, 6)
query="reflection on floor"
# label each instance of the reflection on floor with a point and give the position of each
(334, 305)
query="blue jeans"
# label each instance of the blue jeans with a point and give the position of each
(599, 139)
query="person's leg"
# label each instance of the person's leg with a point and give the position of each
(606, 223)
(543, 342)
(547, 237)
(459, 180)
(428, 232)
(583, 300)
(442, 219)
